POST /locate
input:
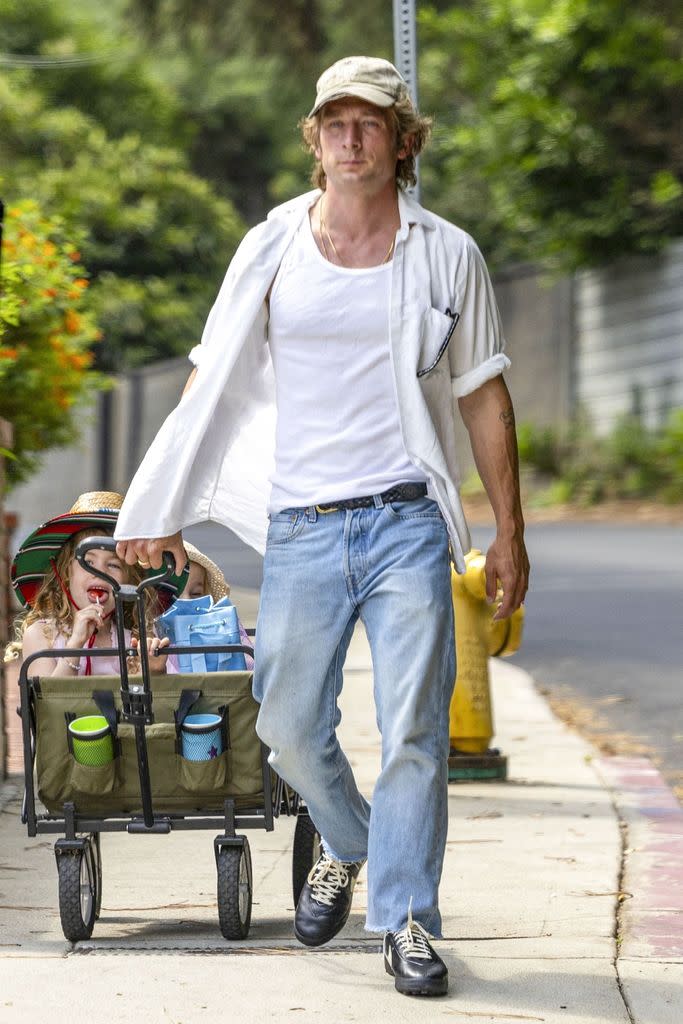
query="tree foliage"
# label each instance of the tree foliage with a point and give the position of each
(559, 133)
(556, 137)
(156, 236)
(46, 334)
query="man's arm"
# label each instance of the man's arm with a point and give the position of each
(490, 420)
(189, 381)
(149, 552)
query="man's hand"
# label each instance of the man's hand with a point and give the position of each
(147, 552)
(507, 561)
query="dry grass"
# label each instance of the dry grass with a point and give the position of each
(590, 723)
(478, 512)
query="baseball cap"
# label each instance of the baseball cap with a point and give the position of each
(369, 78)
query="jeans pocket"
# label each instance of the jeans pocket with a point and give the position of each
(418, 508)
(285, 526)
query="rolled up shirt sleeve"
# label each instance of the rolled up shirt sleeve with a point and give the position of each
(476, 353)
(195, 355)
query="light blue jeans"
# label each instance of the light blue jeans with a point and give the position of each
(388, 565)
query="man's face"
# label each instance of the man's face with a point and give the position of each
(357, 145)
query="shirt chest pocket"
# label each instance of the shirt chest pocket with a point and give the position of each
(436, 331)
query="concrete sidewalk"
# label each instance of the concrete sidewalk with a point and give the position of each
(561, 896)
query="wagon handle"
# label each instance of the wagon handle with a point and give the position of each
(127, 591)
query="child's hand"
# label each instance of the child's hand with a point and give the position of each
(157, 661)
(86, 622)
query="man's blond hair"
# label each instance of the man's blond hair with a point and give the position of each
(410, 128)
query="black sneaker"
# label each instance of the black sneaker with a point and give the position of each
(325, 901)
(417, 970)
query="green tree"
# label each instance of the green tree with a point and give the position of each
(558, 125)
(46, 335)
(245, 73)
(156, 237)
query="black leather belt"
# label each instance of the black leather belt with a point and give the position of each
(401, 492)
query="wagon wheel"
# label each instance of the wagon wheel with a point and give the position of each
(97, 857)
(78, 894)
(234, 891)
(307, 850)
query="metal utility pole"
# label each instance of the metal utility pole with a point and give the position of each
(405, 56)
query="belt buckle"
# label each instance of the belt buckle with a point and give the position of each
(324, 511)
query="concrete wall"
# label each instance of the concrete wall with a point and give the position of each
(66, 472)
(538, 322)
(116, 432)
(629, 339)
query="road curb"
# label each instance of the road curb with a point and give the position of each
(650, 919)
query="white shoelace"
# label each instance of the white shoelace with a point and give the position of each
(326, 878)
(413, 941)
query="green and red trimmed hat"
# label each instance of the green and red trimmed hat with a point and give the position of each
(33, 561)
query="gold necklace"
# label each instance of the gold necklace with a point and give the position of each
(324, 231)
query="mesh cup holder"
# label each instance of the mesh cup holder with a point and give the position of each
(201, 737)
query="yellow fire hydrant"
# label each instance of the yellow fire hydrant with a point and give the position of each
(477, 637)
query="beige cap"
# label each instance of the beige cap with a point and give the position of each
(369, 78)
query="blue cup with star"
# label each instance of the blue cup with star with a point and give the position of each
(202, 737)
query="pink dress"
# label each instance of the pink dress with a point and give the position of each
(104, 666)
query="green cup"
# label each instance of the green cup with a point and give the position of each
(92, 740)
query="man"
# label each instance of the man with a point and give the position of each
(360, 316)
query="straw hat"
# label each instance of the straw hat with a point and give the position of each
(33, 560)
(217, 584)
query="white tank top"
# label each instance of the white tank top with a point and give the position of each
(338, 433)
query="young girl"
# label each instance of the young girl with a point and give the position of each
(206, 578)
(69, 606)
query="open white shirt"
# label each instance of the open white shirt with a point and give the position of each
(214, 455)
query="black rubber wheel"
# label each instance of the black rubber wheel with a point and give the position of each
(97, 857)
(307, 849)
(234, 891)
(77, 893)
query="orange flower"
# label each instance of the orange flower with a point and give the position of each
(72, 321)
(8, 353)
(49, 293)
(80, 360)
(75, 256)
(77, 286)
(49, 249)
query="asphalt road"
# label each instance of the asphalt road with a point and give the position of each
(604, 621)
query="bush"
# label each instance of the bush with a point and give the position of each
(46, 334)
(631, 462)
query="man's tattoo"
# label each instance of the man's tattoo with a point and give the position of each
(507, 417)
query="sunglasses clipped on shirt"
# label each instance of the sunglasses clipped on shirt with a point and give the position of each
(444, 344)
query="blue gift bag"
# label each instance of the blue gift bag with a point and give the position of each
(198, 622)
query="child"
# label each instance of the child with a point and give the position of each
(206, 578)
(67, 606)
